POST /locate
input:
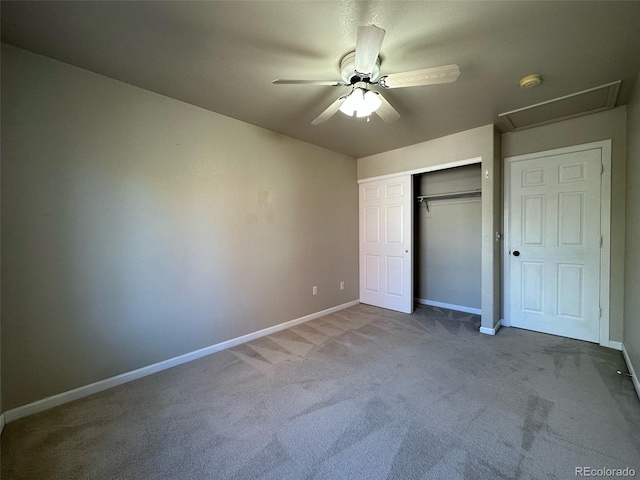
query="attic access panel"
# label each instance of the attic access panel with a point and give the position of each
(577, 104)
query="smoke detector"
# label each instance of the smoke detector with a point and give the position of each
(531, 81)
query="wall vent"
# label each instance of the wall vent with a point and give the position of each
(575, 105)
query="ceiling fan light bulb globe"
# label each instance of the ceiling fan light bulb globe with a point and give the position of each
(347, 108)
(372, 101)
(353, 102)
(361, 102)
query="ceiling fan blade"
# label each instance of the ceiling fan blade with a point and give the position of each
(333, 108)
(426, 76)
(386, 112)
(367, 48)
(331, 83)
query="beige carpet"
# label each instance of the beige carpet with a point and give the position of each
(364, 393)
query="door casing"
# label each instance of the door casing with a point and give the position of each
(605, 228)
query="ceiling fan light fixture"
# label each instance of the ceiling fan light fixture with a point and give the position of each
(361, 103)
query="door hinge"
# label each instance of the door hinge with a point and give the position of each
(600, 242)
(602, 170)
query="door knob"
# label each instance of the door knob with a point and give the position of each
(516, 253)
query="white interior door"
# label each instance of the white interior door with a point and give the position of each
(386, 243)
(554, 242)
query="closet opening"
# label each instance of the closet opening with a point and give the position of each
(448, 238)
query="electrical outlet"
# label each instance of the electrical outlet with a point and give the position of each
(341, 285)
(315, 290)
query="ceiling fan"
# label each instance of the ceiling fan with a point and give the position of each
(360, 69)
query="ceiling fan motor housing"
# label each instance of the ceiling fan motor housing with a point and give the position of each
(349, 74)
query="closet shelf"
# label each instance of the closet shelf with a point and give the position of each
(444, 196)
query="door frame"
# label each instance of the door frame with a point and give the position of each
(410, 174)
(605, 228)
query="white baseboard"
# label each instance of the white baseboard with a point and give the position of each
(459, 308)
(615, 345)
(634, 377)
(1, 423)
(86, 390)
(491, 331)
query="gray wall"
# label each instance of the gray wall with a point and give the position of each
(449, 239)
(611, 124)
(632, 272)
(137, 228)
(478, 142)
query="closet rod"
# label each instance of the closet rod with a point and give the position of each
(442, 196)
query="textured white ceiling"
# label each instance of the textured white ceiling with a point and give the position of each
(222, 56)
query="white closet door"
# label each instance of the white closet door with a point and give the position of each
(386, 257)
